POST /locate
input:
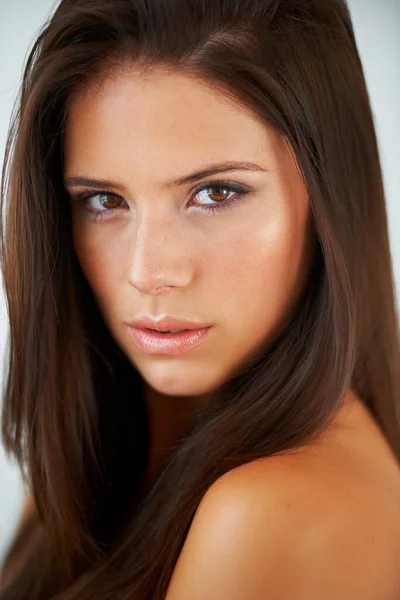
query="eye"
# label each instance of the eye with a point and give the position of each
(99, 204)
(101, 201)
(219, 194)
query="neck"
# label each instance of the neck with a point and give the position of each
(170, 419)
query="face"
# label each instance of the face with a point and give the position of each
(229, 248)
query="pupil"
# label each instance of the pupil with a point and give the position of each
(220, 192)
(106, 202)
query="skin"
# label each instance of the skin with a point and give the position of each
(320, 523)
(239, 269)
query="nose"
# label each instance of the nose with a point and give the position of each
(159, 257)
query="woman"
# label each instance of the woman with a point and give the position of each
(211, 167)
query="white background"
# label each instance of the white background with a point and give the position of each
(377, 29)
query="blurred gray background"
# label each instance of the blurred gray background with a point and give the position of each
(377, 29)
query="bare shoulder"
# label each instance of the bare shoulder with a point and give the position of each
(294, 526)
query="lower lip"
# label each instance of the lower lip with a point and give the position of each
(171, 344)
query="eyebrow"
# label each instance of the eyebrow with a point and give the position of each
(205, 172)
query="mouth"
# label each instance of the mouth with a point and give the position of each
(165, 332)
(171, 343)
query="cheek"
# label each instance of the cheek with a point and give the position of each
(98, 261)
(259, 269)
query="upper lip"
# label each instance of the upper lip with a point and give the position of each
(166, 323)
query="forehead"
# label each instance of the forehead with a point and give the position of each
(158, 118)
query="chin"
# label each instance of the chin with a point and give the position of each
(181, 381)
(180, 388)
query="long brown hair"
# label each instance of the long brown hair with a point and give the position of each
(73, 414)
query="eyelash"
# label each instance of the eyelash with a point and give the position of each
(230, 186)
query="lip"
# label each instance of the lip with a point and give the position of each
(165, 323)
(168, 344)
